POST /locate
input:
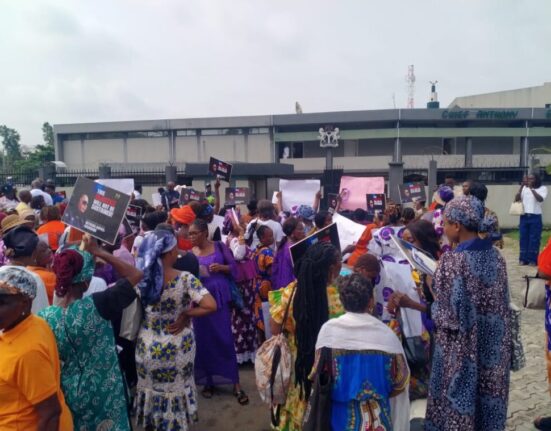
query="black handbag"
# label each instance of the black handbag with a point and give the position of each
(318, 412)
(414, 348)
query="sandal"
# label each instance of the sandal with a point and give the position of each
(208, 392)
(543, 423)
(242, 397)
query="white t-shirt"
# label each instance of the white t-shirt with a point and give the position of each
(531, 205)
(41, 299)
(47, 198)
(275, 226)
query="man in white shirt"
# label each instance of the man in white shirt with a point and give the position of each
(532, 194)
(37, 187)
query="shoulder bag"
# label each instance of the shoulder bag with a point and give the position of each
(534, 293)
(318, 412)
(273, 366)
(236, 295)
(516, 209)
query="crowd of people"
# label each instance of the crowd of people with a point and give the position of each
(97, 336)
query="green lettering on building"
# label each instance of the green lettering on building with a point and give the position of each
(483, 115)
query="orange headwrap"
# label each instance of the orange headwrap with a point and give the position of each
(184, 215)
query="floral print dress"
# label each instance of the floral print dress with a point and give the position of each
(166, 397)
(469, 384)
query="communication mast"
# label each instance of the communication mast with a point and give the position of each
(410, 79)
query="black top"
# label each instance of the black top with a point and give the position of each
(112, 301)
(187, 262)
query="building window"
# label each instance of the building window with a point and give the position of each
(187, 132)
(218, 132)
(447, 146)
(148, 134)
(259, 131)
(291, 150)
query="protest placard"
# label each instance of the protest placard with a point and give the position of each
(123, 185)
(332, 200)
(349, 231)
(298, 192)
(375, 202)
(237, 196)
(96, 209)
(134, 217)
(411, 191)
(156, 200)
(417, 258)
(327, 234)
(354, 189)
(187, 194)
(220, 169)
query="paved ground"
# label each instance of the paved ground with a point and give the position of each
(528, 397)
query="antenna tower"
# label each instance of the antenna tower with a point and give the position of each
(410, 79)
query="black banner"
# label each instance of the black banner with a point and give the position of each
(411, 191)
(237, 196)
(376, 202)
(96, 209)
(220, 169)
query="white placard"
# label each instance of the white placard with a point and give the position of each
(349, 231)
(156, 199)
(298, 192)
(123, 185)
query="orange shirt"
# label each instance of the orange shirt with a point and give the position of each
(48, 277)
(54, 229)
(361, 245)
(29, 374)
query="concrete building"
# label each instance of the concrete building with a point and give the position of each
(531, 97)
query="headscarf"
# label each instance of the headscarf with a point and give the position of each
(306, 212)
(16, 279)
(206, 210)
(469, 212)
(443, 195)
(72, 266)
(20, 242)
(149, 261)
(183, 215)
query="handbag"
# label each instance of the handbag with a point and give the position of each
(518, 359)
(516, 209)
(534, 293)
(237, 301)
(131, 320)
(273, 367)
(417, 355)
(317, 416)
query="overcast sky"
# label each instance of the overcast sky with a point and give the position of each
(107, 60)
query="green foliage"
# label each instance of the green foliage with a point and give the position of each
(10, 141)
(28, 160)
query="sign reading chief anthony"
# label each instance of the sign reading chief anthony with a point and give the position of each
(220, 169)
(96, 209)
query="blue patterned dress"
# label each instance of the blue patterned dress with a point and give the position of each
(469, 384)
(166, 397)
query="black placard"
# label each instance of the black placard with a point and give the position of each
(376, 202)
(411, 191)
(332, 200)
(237, 196)
(220, 169)
(327, 234)
(96, 209)
(188, 194)
(134, 217)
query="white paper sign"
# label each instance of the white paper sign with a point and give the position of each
(349, 231)
(156, 199)
(298, 192)
(123, 185)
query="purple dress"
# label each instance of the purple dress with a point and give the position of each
(282, 268)
(215, 360)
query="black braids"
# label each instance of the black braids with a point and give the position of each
(311, 308)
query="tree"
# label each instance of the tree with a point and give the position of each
(48, 134)
(10, 141)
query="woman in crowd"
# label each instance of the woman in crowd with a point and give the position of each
(360, 248)
(42, 266)
(323, 219)
(480, 191)
(532, 194)
(243, 327)
(469, 384)
(30, 391)
(52, 226)
(282, 268)
(148, 224)
(181, 219)
(442, 196)
(165, 351)
(21, 245)
(266, 214)
(90, 375)
(306, 215)
(421, 234)
(216, 361)
(408, 215)
(253, 212)
(263, 258)
(312, 301)
(544, 271)
(367, 354)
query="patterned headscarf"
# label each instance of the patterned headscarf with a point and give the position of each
(306, 212)
(20, 242)
(16, 279)
(149, 261)
(469, 212)
(72, 266)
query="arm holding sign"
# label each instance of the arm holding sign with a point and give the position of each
(317, 199)
(217, 196)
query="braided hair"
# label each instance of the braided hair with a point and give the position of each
(310, 307)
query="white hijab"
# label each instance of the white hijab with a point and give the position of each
(361, 331)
